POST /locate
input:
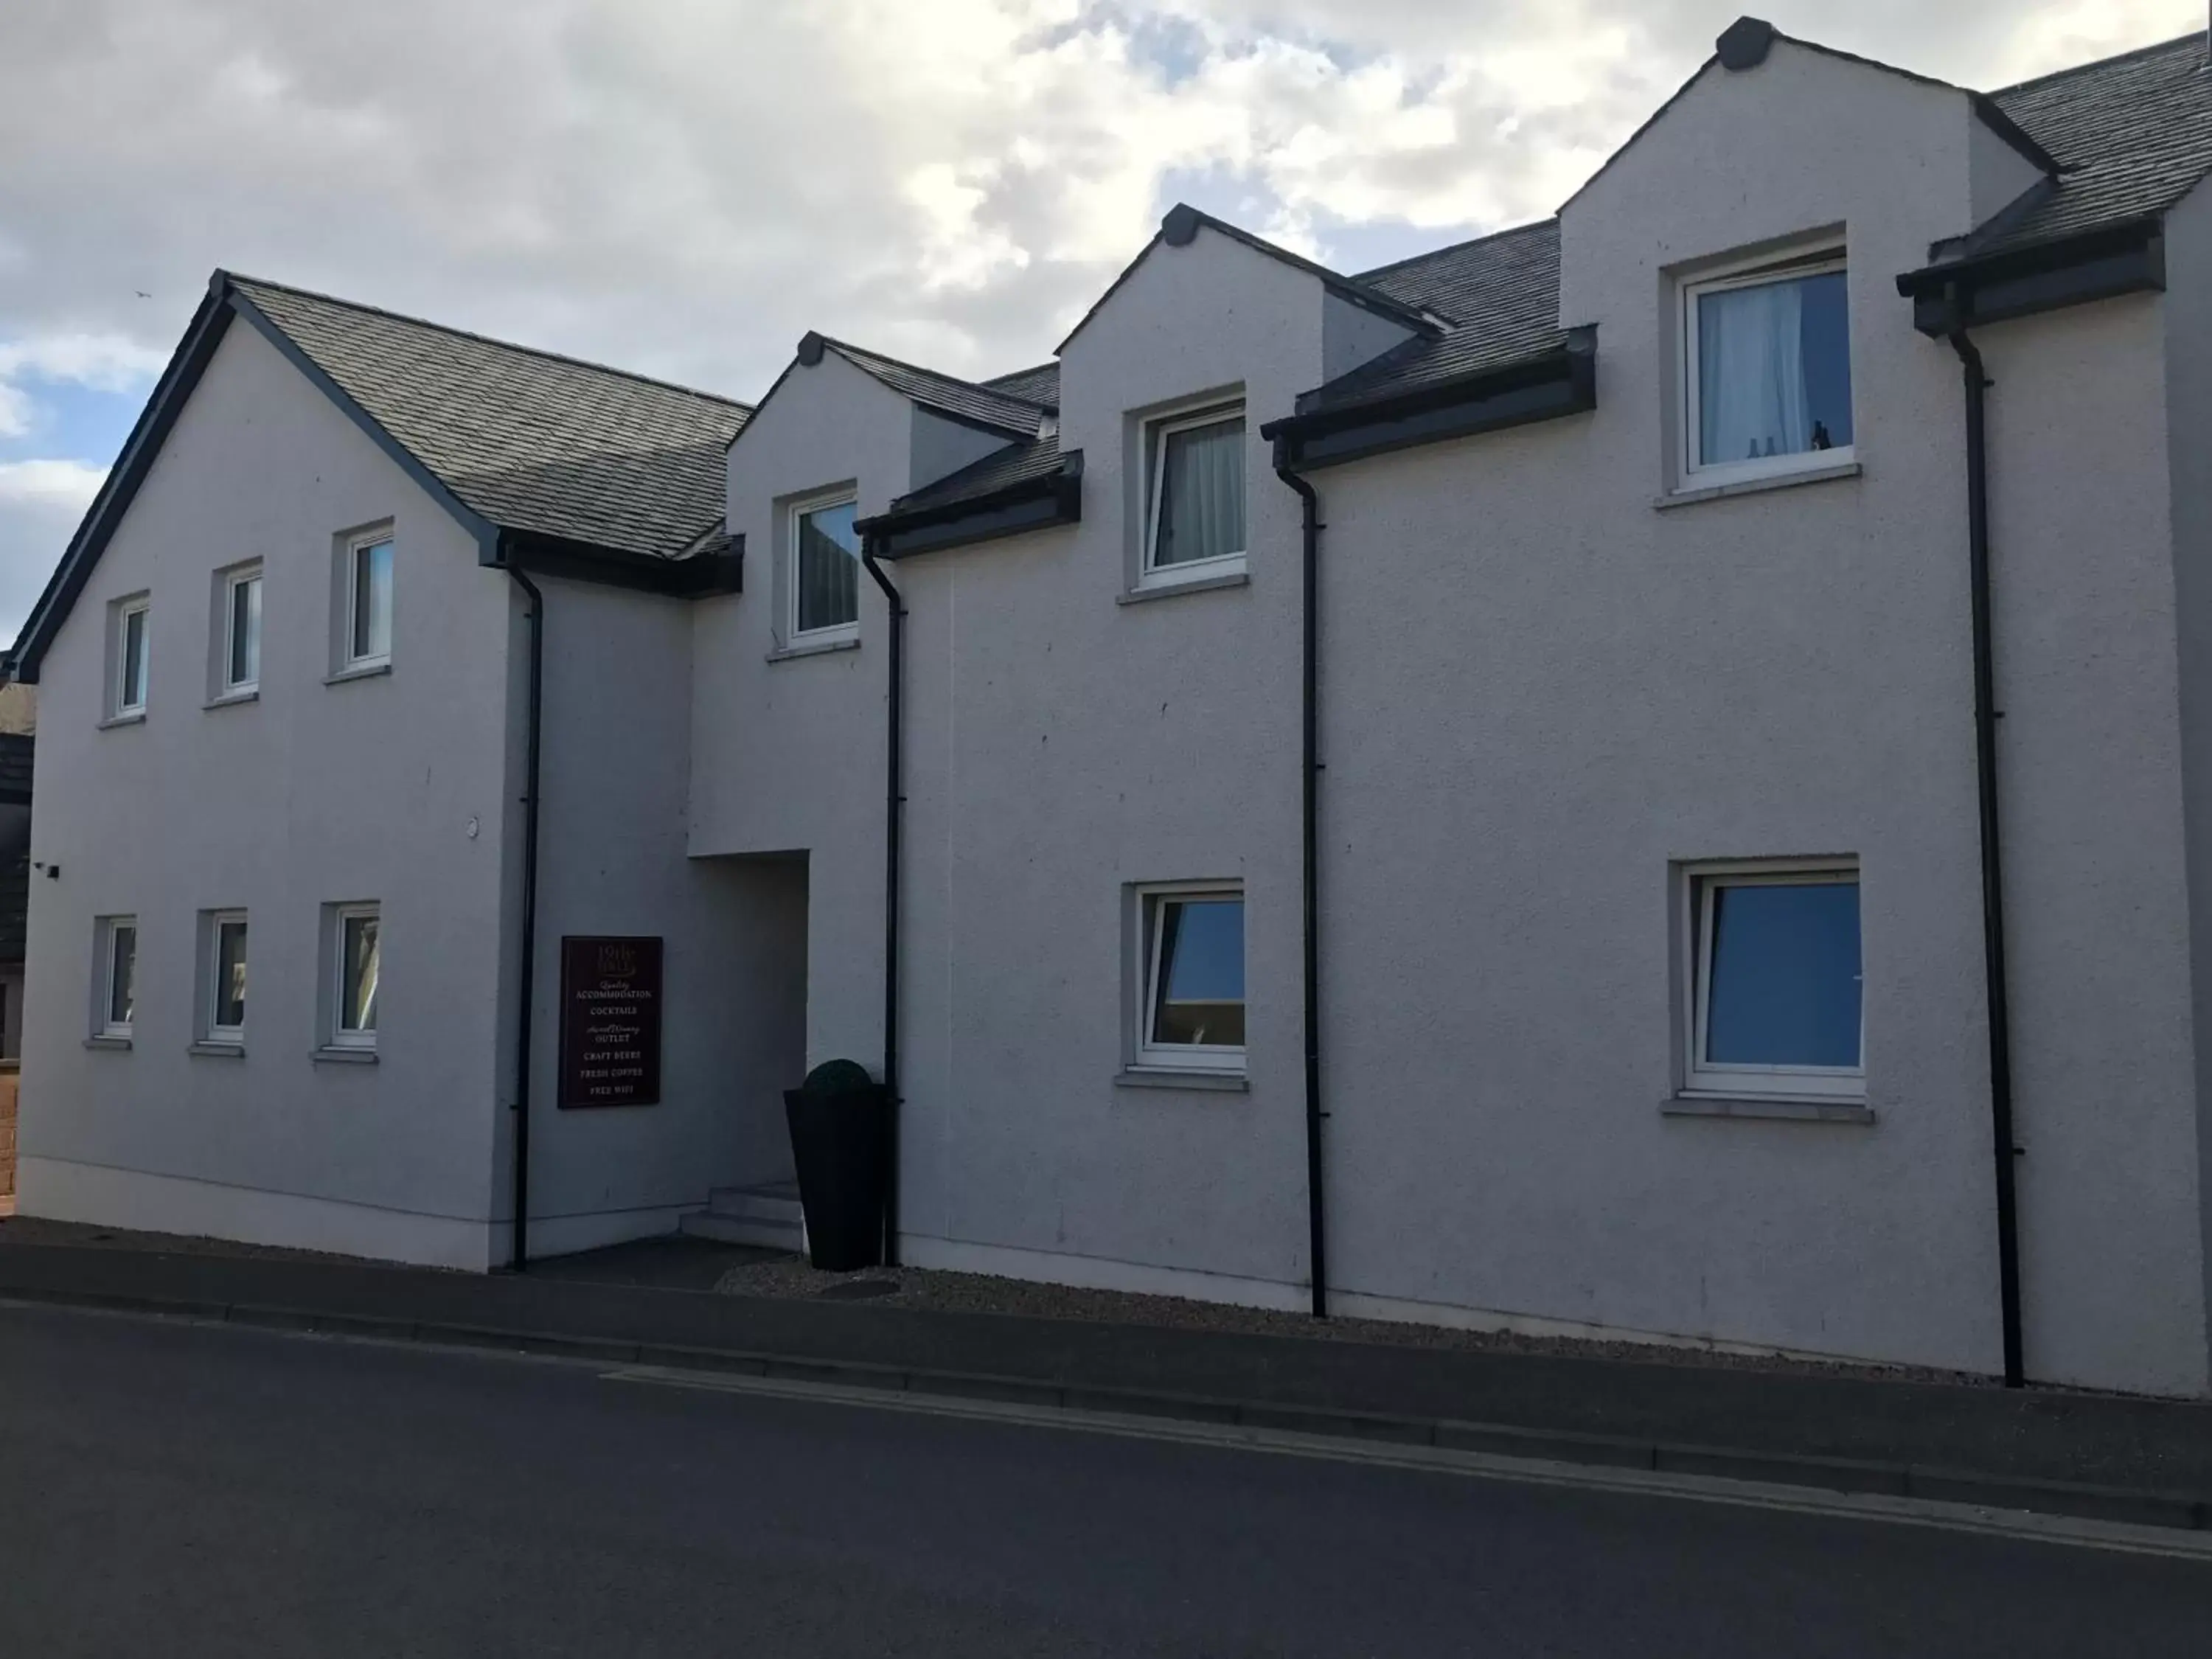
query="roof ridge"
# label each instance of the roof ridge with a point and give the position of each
(483, 339)
(938, 374)
(991, 385)
(2154, 47)
(1453, 247)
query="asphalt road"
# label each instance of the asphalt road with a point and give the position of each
(185, 1490)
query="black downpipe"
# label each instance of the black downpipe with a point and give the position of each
(894, 801)
(529, 991)
(1310, 527)
(1986, 716)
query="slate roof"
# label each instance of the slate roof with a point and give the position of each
(964, 400)
(2134, 133)
(1501, 294)
(17, 749)
(530, 441)
(1039, 385)
(1040, 458)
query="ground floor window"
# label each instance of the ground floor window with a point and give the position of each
(356, 938)
(115, 992)
(223, 996)
(1191, 1006)
(1776, 1004)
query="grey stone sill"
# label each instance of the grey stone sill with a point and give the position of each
(1803, 1111)
(232, 699)
(218, 1050)
(1810, 475)
(118, 1043)
(1168, 590)
(343, 1057)
(367, 671)
(811, 649)
(1152, 1077)
(136, 717)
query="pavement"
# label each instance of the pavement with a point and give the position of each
(2121, 1458)
(192, 1491)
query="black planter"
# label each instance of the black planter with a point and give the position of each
(840, 1144)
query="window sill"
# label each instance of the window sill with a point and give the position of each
(232, 699)
(1810, 475)
(1168, 590)
(1148, 1077)
(135, 717)
(116, 1042)
(364, 670)
(214, 1049)
(813, 648)
(1801, 1110)
(343, 1057)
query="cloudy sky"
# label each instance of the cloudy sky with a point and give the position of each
(685, 186)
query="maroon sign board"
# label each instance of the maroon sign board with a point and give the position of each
(610, 1022)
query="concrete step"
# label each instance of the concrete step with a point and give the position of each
(768, 1215)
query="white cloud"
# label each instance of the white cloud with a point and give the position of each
(62, 485)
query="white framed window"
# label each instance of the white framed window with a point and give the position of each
(1194, 495)
(1190, 976)
(1766, 370)
(1775, 1005)
(115, 976)
(241, 632)
(223, 994)
(355, 939)
(367, 641)
(132, 652)
(823, 577)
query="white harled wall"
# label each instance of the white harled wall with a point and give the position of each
(312, 793)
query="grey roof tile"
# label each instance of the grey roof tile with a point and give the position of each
(964, 400)
(1040, 458)
(2134, 133)
(1039, 385)
(1502, 292)
(530, 441)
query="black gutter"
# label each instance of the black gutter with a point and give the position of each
(1543, 386)
(1036, 502)
(893, 800)
(1309, 880)
(534, 718)
(1986, 715)
(699, 576)
(1965, 289)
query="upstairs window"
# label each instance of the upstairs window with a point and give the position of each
(369, 602)
(1194, 496)
(1767, 356)
(1776, 1004)
(825, 571)
(131, 650)
(1192, 1014)
(241, 631)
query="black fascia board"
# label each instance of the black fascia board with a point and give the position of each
(1540, 388)
(187, 364)
(700, 576)
(2021, 282)
(1051, 498)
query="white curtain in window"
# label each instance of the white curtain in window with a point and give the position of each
(1751, 374)
(1202, 510)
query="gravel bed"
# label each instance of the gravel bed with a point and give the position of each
(930, 1289)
